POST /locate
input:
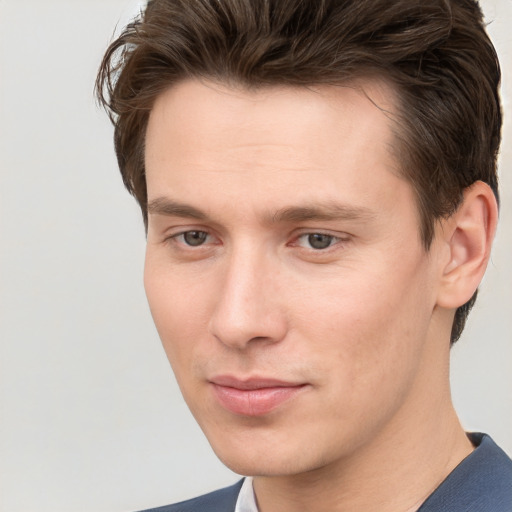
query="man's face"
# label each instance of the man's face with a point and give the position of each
(285, 271)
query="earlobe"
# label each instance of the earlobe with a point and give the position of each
(470, 234)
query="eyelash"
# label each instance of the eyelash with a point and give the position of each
(183, 234)
(332, 240)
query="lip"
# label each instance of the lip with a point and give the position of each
(253, 396)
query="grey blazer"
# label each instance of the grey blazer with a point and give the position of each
(482, 482)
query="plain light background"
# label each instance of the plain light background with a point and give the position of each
(90, 416)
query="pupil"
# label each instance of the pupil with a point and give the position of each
(194, 238)
(319, 241)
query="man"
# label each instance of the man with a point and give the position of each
(318, 182)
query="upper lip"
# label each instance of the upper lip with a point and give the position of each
(252, 382)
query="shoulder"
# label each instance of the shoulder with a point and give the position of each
(222, 500)
(482, 482)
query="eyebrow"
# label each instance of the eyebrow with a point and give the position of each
(165, 206)
(328, 211)
(323, 212)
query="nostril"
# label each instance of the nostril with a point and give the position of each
(248, 329)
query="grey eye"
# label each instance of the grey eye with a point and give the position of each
(194, 238)
(319, 240)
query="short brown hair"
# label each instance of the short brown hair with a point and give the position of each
(435, 53)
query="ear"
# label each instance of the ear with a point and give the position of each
(468, 233)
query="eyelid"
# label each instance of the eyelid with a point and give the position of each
(185, 233)
(179, 229)
(172, 236)
(341, 235)
(339, 239)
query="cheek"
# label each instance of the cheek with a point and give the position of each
(176, 309)
(369, 329)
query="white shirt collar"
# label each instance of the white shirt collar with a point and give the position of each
(246, 501)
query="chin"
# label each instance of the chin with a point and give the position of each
(257, 458)
(259, 466)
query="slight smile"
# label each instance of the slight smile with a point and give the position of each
(254, 396)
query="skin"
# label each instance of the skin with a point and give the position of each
(363, 324)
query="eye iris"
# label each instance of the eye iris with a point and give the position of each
(194, 238)
(319, 241)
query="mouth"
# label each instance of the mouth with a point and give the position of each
(253, 396)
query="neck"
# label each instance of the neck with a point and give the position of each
(394, 472)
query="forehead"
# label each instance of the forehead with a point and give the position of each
(208, 141)
(273, 114)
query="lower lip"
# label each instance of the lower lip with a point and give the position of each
(254, 402)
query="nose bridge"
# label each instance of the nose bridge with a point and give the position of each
(248, 304)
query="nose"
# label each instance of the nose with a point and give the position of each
(248, 309)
